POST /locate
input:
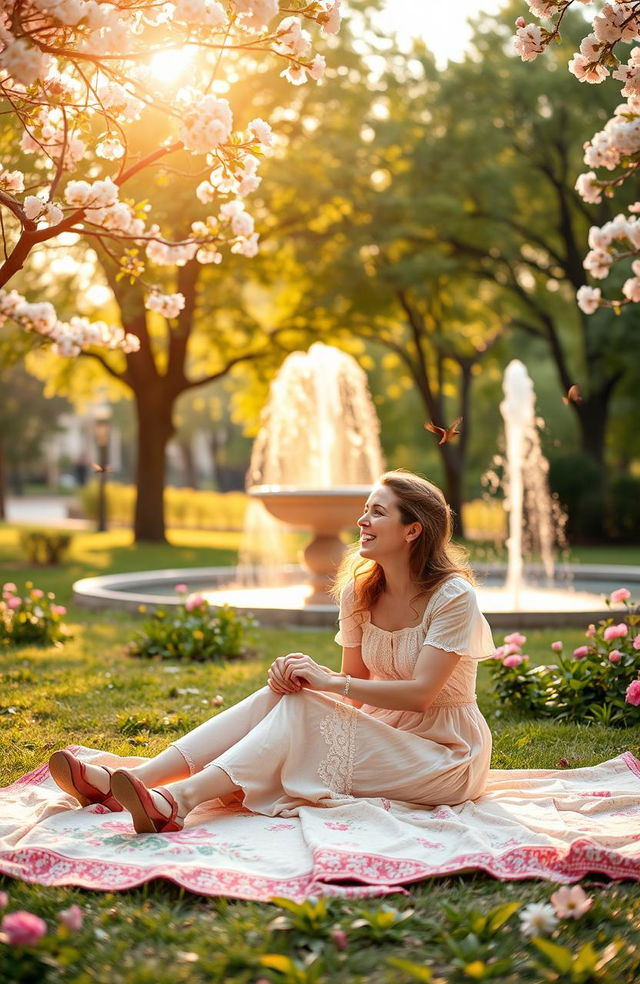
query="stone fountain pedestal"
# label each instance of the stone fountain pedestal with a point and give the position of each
(326, 512)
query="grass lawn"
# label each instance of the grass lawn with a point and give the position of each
(90, 692)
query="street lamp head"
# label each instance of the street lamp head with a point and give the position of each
(102, 424)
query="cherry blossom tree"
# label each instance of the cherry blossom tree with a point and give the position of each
(616, 147)
(78, 78)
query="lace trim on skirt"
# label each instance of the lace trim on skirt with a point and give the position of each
(192, 765)
(339, 731)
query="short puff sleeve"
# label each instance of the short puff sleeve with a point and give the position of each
(456, 624)
(350, 631)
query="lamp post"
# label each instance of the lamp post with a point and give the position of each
(102, 433)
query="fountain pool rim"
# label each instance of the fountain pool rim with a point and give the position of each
(125, 592)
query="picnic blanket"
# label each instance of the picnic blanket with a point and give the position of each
(557, 825)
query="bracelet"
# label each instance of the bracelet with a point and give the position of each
(347, 684)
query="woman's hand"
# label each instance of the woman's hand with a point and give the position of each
(300, 668)
(278, 678)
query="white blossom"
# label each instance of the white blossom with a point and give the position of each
(262, 131)
(537, 919)
(168, 305)
(33, 207)
(588, 298)
(528, 42)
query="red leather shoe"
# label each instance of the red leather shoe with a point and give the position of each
(134, 796)
(69, 773)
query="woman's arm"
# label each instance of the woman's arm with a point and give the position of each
(432, 670)
(354, 665)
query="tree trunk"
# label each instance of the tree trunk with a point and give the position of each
(3, 511)
(188, 464)
(593, 413)
(453, 461)
(155, 428)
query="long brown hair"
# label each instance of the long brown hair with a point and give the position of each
(433, 557)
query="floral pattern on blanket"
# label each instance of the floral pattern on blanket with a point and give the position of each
(555, 825)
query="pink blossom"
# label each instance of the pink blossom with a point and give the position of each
(180, 588)
(37, 593)
(580, 652)
(618, 631)
(14, 602)
(620, 594)
(571, 903)
(556, 646)
(193, 601)
(515, 639)
(513, 660)
(9, 586)
(22, 928)
(615, 655)
(632, 695)
(58, 610)
(4, 900)
(339, 937)
(636, 642)
(591, 631)
(72, 918)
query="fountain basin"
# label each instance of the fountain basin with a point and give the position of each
(289, 604)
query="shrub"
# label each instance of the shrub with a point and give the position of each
(184, 508)
(599, 681)
(32, 618)
(623, 508)
(578, 482)
(45, 547)
(194, 631)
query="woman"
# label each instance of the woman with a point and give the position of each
(399, 722)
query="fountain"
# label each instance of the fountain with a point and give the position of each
(312, 466)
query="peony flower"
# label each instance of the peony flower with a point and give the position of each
(339, 938)
(72, 918)
(513, 660)
(14, 602)
(58, 610)
(591, 631)
(180, 588)
(37, 593)
(632, 695)
(22, 928)
(570, 903)
(620, 594)
(556, 646)
(515, 639)
(580, 652)
(615, 632)
(615, 656)
(9, 586)
(537, 919)
(636, 642)
(193, 601)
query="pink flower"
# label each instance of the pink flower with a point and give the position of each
(9, 586)
(340, 939)
(615, 655)
(58, 610)
(620, 594)
(591, 631)
(615, 631)
(23, 928)
(72, 918)
(14, 602)
(636, 642)
(580, 652)
(180, 588)
(193, 601)
(515, 639)
(556, 646)
(513, 660)
(37, 593)
(632, 695)
(570, 903)
(4, 900)
(502, 651)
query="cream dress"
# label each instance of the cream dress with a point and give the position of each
(310, 748)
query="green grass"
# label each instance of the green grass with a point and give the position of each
(90, 692)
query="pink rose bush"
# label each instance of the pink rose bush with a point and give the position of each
(22, 928)
(599, 681)
(31, 617)
(193, 630)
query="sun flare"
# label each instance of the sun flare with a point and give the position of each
(170, 67)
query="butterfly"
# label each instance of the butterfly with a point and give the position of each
(101, 469)
(446, 432)
(573, 395)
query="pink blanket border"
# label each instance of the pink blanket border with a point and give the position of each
(375, 874)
